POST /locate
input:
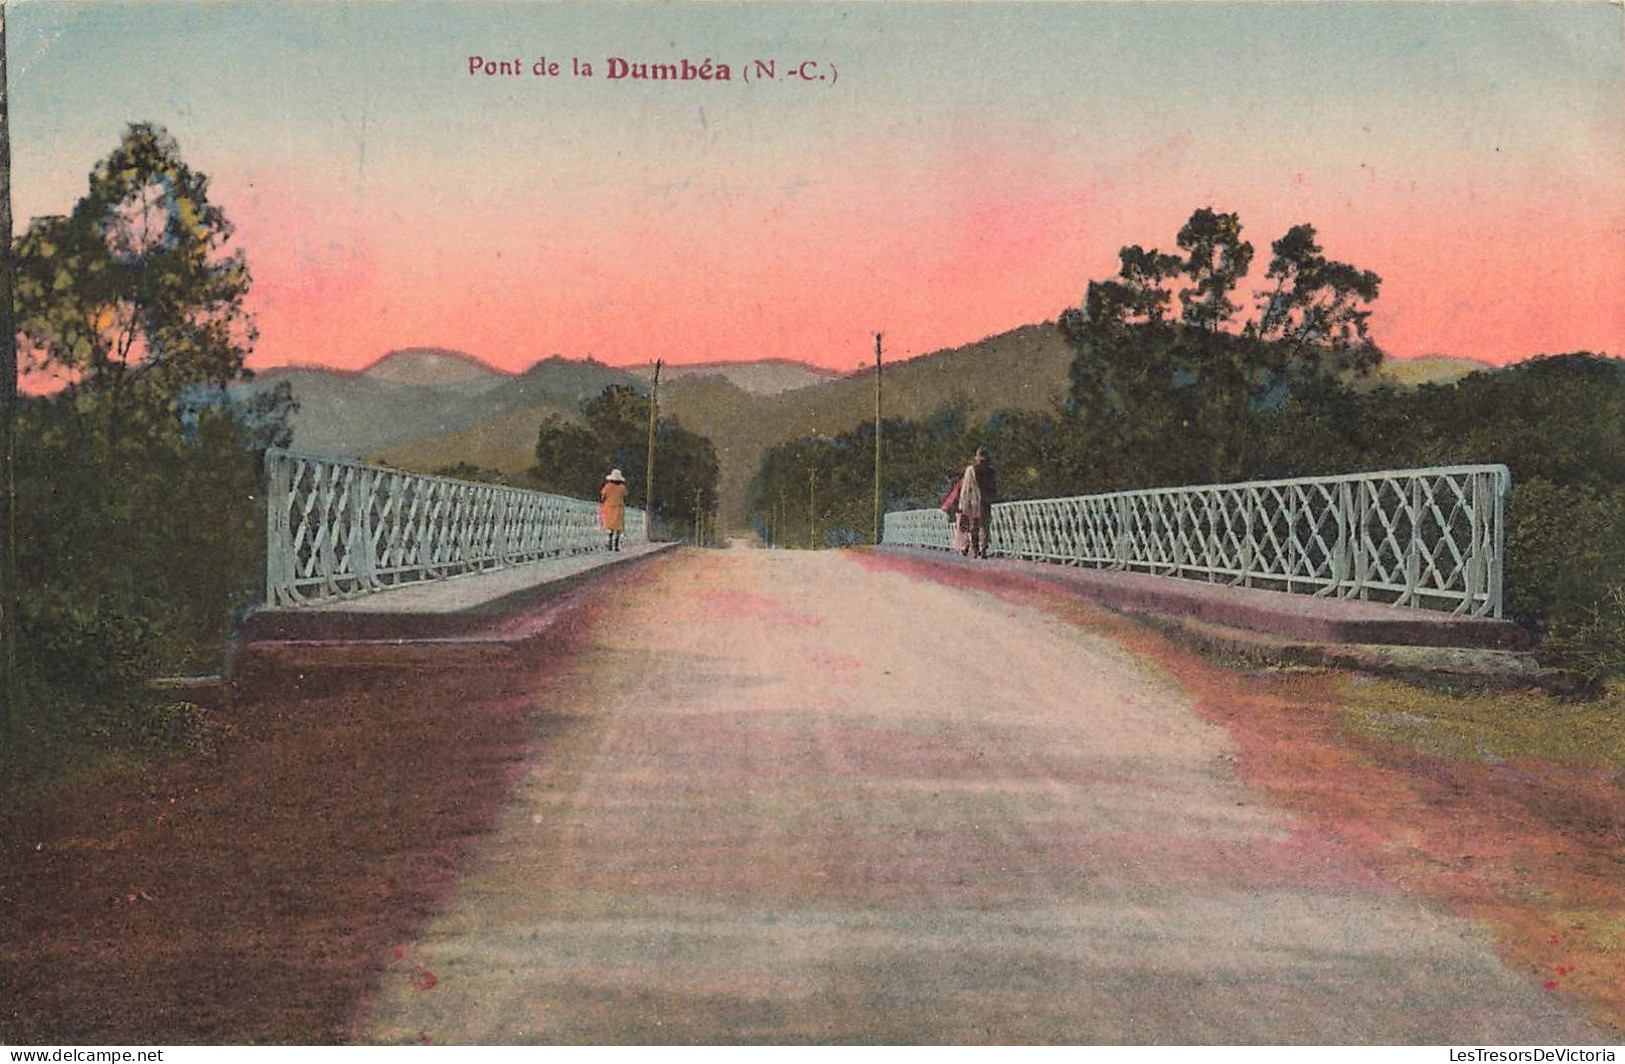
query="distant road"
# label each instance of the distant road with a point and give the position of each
(782, 798)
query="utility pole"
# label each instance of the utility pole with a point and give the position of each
(877, 439)
(812, 511)
(649, 469)
(8, 448)
(699, 519)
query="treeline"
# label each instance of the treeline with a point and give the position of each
(818, 491)
(1214, 394)
(136, 480)
(572, 458)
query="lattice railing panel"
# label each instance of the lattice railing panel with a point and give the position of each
(1423, 538)
(337, 528)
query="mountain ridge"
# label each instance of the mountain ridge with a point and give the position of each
(426, 428)
(1024, 368)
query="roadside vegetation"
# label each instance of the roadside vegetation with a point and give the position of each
(1491, 727)
(1176, 378)
(136, 477)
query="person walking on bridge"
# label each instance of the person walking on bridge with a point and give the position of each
(969, 504)
(612, 507)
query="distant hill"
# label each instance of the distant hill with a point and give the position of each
(1024, 369)
(562, 378)
(1428, 369)
(768, 376)
(424, 392)
(504, 442)
(435, 367)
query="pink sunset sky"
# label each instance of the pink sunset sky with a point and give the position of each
(969, 171)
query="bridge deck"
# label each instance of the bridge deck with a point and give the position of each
(785, 797)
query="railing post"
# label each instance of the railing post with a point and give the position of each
(1122, 545)
(1211, 536)
(1503, 489)
(1249, 545)
(1342, 551)
(1180, 539)
(1296, 554)
(1363, 546)
(325, 532)
(429, 494)
(1484, 564)
(496, 523)
(463, 510)
(1413, 545)
(360, 553)
(1476, 574)
(279, 563)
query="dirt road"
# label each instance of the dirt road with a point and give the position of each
(798, 800)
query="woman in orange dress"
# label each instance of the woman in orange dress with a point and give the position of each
(612, 507)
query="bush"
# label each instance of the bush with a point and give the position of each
(134, 561)
(843, 536)
(83, 686)
(1565, 547)
(84, 649)
(1593, 647)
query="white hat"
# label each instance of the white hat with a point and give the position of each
(615, 475)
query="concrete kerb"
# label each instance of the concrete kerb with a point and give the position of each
(1443, 668)
(1256, 627)
(373, 618)
(1303, 617)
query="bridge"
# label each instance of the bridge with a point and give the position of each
(1397, 556)
(878, 795)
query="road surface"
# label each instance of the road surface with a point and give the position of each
(781, 797)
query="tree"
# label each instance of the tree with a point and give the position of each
(619, 415)
(137, 480)
(1318, 304)
(1159, 402)
(571, 459)
(132, 299)
(1216, 260)
(1136, 295)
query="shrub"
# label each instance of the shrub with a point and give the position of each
(1565, 547)
(1593, 646)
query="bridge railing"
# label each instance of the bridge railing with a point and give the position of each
(1420, 538)
(337, 528)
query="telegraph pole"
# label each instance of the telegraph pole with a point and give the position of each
(8, 448)
(877, 439)
(649, 469)
(812, 512)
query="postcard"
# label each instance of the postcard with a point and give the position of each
(813, 523)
